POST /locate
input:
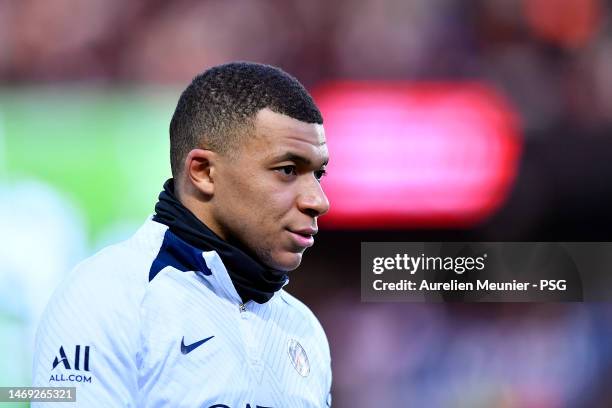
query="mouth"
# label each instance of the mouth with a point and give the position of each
(303, 237)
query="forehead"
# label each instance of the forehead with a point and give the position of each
(276, 133)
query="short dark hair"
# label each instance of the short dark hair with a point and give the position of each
(215, 108)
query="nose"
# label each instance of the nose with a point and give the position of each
(313, 201)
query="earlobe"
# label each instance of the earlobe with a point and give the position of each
(199, 168)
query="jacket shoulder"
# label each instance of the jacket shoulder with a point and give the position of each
(109, 284)
(306, 315)
(115, 272)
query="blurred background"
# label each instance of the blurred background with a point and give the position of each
(487, 120)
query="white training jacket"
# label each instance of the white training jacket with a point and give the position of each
(129, 327)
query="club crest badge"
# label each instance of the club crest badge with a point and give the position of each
(298, 358)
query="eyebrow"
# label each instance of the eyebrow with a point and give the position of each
(297, 158)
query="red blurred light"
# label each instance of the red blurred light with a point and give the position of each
(569, 23)
(416, 155)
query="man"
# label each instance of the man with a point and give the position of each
(191, 310)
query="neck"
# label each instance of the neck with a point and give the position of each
(199, 204)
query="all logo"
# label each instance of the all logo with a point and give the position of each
(298, 358)
(79, 363)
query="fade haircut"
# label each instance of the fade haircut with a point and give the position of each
(220, 104)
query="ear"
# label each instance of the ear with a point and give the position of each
(200, 170)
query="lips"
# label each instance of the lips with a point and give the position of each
(303, 237)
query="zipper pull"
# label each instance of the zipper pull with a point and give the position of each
(242, 307)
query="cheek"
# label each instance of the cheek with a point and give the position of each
(257, 204)
(277, 206)
(271, 199)
(267, 216)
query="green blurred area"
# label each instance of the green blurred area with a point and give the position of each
(105, 149)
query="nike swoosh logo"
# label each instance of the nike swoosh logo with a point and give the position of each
(188, 349)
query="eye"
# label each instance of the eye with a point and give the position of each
(320, 174)
(289, 170)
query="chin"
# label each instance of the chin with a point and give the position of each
(287, 261)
